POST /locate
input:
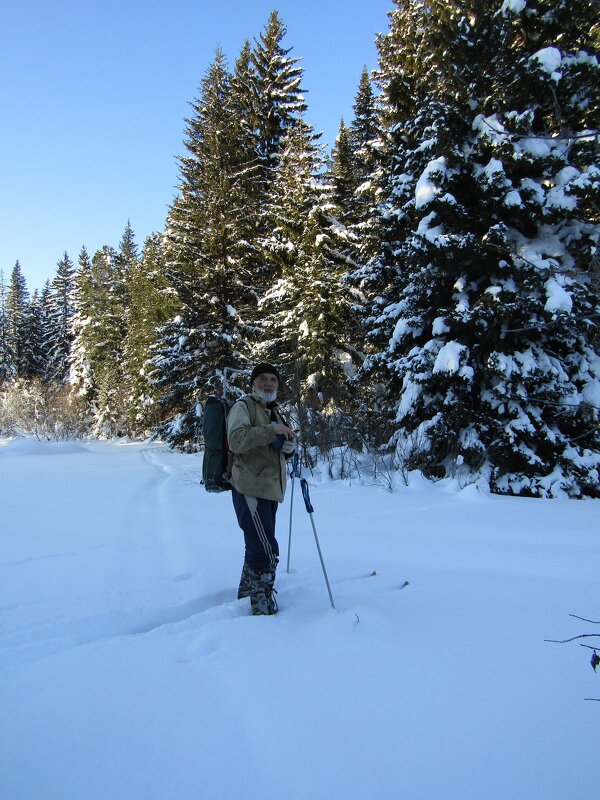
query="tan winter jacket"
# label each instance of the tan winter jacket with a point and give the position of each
(258, 469)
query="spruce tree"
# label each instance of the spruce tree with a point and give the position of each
(99, 343)
(36, 356)
(80, 376)
(127, 261)
(279, 102)
(150, 307)
(536, 150)
(364, 129)
(206, 261)
(7, 361)
(128, 250)
(487, 234)
(305, 314)
(253, 181)
(17, 301)
(344, 177)
(278, 106)
(58, 323)
(355, 159)
(364, 140)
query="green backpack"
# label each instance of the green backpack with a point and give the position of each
(218, 458)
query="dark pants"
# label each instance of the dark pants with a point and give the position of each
(256, 517)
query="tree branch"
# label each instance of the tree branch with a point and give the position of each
(572, 639)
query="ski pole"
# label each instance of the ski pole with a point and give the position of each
(293, 474)
(310, 510)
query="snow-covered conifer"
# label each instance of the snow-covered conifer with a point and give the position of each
(207, 262)
(80, 377)
(151, 304)
(7, 362)
(279, 102)
(17, 301)
(344, 179)
(36, 355)
(353, 177)
(58, 321)
(305, 315)
(486, 309)
(99, 328)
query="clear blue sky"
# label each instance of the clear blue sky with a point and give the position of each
(93, 97)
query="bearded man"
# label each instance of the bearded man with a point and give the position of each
(261, 441)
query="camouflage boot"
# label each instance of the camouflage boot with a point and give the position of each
(262, 600)
(244, 587)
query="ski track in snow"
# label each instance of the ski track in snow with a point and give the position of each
(148, 511)
(44, 641)
(62, 635)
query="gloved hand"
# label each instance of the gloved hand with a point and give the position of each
(288, 446)
(278, 443)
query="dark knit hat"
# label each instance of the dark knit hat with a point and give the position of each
(259, 369)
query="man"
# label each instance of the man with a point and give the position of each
(261, 441)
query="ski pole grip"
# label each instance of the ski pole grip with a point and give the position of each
(306, 495)
(294, 471)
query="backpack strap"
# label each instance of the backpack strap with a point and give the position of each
(251, 406)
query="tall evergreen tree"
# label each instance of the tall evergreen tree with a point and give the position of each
(58, 323)
(278, 107)
(355, 161)
(17, 301)
(219, 225)
(364, 140)
(35, 337)
(279, 102)
(99, 344)
(364, 129)
(487, 236)
(252, 182)
(127, 262)
(128, 249)
(344, 178)
(80, 376)
(151, 305)
(207, 262)
(306, 315)
(7, 361)
(355, 164)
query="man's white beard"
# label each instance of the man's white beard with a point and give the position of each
(268, 395)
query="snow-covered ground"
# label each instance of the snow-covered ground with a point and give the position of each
(128, 670)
